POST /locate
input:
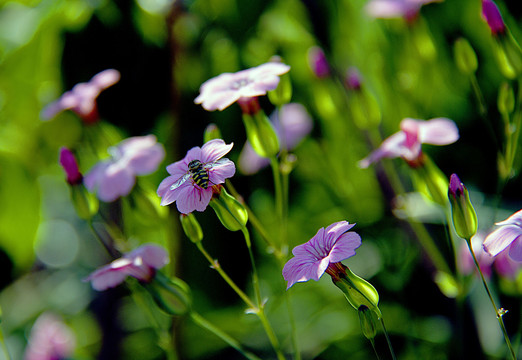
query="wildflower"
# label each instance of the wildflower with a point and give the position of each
(507, 236)
(50, 339)
(464, 215)
(70, 166)
(386, 9)
(407, 142)
(115, 177)
(190, 188)
(492, 16)
(82, 98)
(318, 62)
(222, 91)
(141, 263)
(294, 125)
(353, 79)
(326, 249)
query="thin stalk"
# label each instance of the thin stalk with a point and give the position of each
(278, 189)
(4, 346)
(270, 333)
(498, 312)
(480, 97)
(255, 277)
(293, 327)
(387, 338)
(374, 348)
(205, 324)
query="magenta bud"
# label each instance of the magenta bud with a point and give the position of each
(318, 62)
(353, 79)
(70, 166)
(492, 15)
(464, 215)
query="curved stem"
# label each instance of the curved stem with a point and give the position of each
(387, 338)
(205, 324)
(374, 349)
(498, 312)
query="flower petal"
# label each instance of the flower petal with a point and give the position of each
(345, 246)
(214, 150)
(501, 238)
(221, 171)
(515, 249)
(392, 147)
(515, 219)
(153, 255)
(116, 181)
(193, 198)
(438, 131)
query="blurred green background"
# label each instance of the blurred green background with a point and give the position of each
(165, 50)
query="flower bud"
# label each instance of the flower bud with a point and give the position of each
(230, 212)
(465, 56)
(430, 180)
(491, 14)
(367, 322)
(318, 63)
(261, 134)
(171, 295)
(211, 132)
(353, 79)
(464, 216)
(506, 99)
(357, 291)
(191, 227)
(70, 166)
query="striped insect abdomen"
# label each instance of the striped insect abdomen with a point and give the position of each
(199, 174)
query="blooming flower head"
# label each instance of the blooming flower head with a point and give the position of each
(294, 125)
(191, 179)
(407, 142)
(508, 236)
(141, 263)
(70, 166)
(328, 246)
(50, 339)
(491, 14)
(115, 177)
(82, 98)
(222, 91)
(387, 9)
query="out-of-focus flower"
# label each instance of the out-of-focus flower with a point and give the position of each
(353, 78)
(70, 166)
(507, 237)
(464, 215)
(294, 125)
(465, 261)
(386, 9)
(191, 179)
(222, 91)
(505, 266)
(50, 339)
(82, 98)
(141, 263)
(318, 62)
(491, 14)
(115, 177)
(407, 142)
(328, 246)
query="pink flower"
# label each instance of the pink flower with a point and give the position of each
(329, 246)
(191, 179)
(70, 166)
(318, 62)
(407, 142)
(141, 263)
(115, 177)
(82, 98)
(386, 9)
(50, 339)
(227, 88)
(507, 236)
(505, 266)
(353, 79)
(294, 125)
(492, 15)
(465, 261)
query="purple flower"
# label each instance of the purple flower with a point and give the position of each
(222, 91)
(328, 246)
(505, 266)
(70, 166)
(353, 79)
(115, 177)
(82, 98)
(141, 263)
(294, 125)
(492, 15)
(465, 261)
(50, 339)
(318, 62)
(386, 9)
(507, 236)
(407, 142)
(191, 179)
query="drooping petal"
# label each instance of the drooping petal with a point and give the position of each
(515, 249)
(501, 238)
(193, 198)
(92, 178)
(224, 170)
(168, 195)
(438, 131)
(345, 247)
(116, 181)
(153, 255)
(392, 147)
(515, 219)
(214, 150)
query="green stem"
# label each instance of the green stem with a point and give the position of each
(270, 333)
(255, 277)
(293, 327)
(216, 266)
(387, 338)
(372, 341)
(205, 324)
(498, 312)
(4, 346)
(278, 189)
(480, 98)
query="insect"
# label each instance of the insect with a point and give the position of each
(198, 171)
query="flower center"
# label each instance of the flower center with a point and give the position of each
(236, 85)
